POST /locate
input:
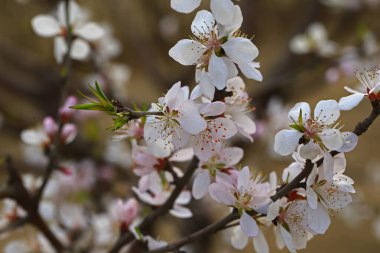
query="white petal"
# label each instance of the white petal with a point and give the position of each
(190, 120)
(243, 121)
(299, 44)
(287, 238)
(45, 26)
(222, 128)
(310, 151)
(244, 179)
(80, 49)
(351, 101)
(174, 97)
(297, 109)
(248, 225)
(231, 67)
(206, 87)
(33, 137)
(350, 142)
(187, 52)
(312, 198)
(260, 244)
(201, 183)
(231, 156)
(273, 210)
(196, 93)
(90, 31)
(60, 49)
(318, 220)
(226, 30)
(332, 138)
(213, 109)
(218, 72)
(181, 212)
(238, 239)
(221, 193)
(327, 111)
(203, 23)
(184, 198)
(184, 6)
(240, 50)
(250, 70)
(182, 155)
(286, 141)
(74, 12)
(223, 11)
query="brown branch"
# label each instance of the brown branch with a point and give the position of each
(209, 230)
(162, 210)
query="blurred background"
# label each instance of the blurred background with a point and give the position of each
(138, 70)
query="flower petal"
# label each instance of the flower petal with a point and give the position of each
(238, 239)
(181, 212)
(318, 220)
(332, 138)
(80, 49)
(90, 31)
(240, 50)
(351, 101)
(201, 183)
(286, 141)
(213, 109)
(248, 225)
(294, 113)
(223, 11)
(350, 142)
(202, 24)
(250, 70)
(218, 72)
(60, 49)
(184, 6)
(260, 244)
(187, 52)
(221, 193)
(45, 26)
(327, 112)
(190, 119)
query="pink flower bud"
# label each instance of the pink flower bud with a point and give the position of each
(68, 134)
(126, 212)
(66, 112)
(50, 127)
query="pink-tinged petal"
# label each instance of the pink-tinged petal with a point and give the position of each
(80, 49)
(184, 6)
(181, 212)
(222, 128)
(218, 72)
(286, 141)
(260, 244)
(250, 70)
(213, 109)
(202, 24)
(50, 127)
(190, 119)
(238, 239)
(332, 138)
(231, 156)
(174, 97)
(45, 26)
(201, 183)
(240, 50)
(350, 142)
(318, 220)
(187, 52)
(182, 155)
(294, 113)
(351, 101)
(327, 112)
(69, 132)
(60, 49)
(221, 193)
(90, 31)
(248, 225)
(223, 11)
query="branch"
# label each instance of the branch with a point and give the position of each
(359, 129)
(162, 210)
(209, 230)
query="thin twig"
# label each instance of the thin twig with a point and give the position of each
(162, 210)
